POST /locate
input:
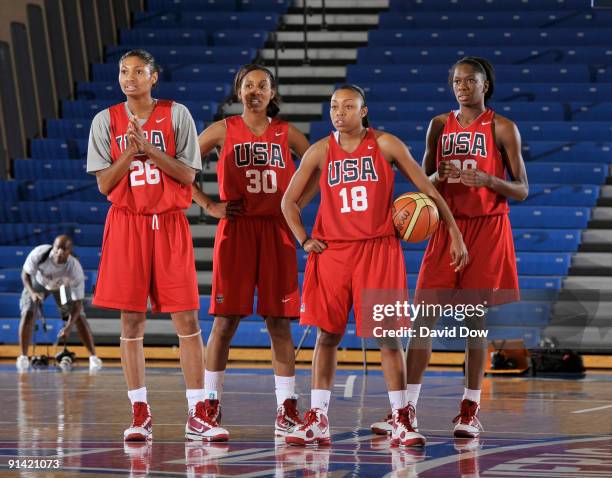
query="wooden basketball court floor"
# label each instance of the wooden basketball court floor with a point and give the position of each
(533, 428)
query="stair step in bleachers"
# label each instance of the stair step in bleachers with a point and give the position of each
(46, 212)
(209, 20)
(83, 109)
(477, 5)
(561, 195)
(12, 257)
(278, 6)
(58, 148)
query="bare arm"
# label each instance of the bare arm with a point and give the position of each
(299, 144)
(108, 178)
(213, 137)
(446, 169)
(396, 151)
(291, 203)
(75, 313)
(27, 283)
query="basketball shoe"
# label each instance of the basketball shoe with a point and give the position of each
(404, 433)
(202, 424)
(23, 363)
(466, 423)
(313, 430)
(142, 424)
(287, 418)
(385, 427)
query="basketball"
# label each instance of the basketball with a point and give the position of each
(415, 216)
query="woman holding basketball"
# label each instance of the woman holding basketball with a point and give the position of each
(469, 151)
(354, 248)
(253, 244)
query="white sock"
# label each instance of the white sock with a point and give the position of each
(194, 395)
(213, 382)
(285, 388)
(397, 399)
(412, 393)
(320, 399)
(473, 395)
(138, 395)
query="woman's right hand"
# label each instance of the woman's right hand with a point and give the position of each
(447, 169)
(314, 245)
(225, 209)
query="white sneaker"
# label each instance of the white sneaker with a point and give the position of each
(314, 430)
(95, 363)
(466, 423)
(23, 363)
(404, 433)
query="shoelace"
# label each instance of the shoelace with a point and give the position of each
(141, 413)
(207, 411)
(467, 415)
(406, 417)
(309, 419)
(292, 412)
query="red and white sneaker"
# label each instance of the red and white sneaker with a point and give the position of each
(142, 424)
(466, 423)
(202, 424)
(383, 427)
(314, 430)
(287, 418)
(404, 433)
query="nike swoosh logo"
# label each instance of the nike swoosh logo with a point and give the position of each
(279, 134)
(484, 124)
(285, 300)
(160, 120)
(370, 147)
(199, 430)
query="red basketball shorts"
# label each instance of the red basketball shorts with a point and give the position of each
(491, 273)
(250, 252)
(147, 257)
(335, 280)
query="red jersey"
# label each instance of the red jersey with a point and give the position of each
(471, 148)
(147, 189)
(356, 193)
(256, 169)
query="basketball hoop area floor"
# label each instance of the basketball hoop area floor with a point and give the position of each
(70, 425)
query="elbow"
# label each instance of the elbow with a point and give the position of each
(523, 194)
(189, 177)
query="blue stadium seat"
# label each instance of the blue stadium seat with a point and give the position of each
(67, 128)
(253, 38)
(13, 256)
(550, 240)
(32, 234)
(157, 20)
(567, 173)
(566, 152)
(58, 148)
(63, 190)
(218, 55)
(561, 195)
(541, 282)
(437, 73)
(425, 111)
(550, 92)
(213, 21)
(32, 212)
(212, 73)
(88, 234)
(178, 91)
(10, 281)
(85, 212)
(538, 263)
(9, 190)
(500, 55)
(489, 36)
(591, 112)
(202, 110)
(190, 5)
(520, 313)
(163, 36)
(550, 216)
(476, 5)
(82, 109)
(279, 6)
(55, 168)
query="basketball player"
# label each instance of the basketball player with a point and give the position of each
(253, 244)
(144, 154)
(353, 248)
(468, 153)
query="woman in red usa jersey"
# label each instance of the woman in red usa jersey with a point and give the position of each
(144, 154)
(469, 154)
(254, 247)
(354, 249)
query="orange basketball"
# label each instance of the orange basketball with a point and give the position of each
(415, 216)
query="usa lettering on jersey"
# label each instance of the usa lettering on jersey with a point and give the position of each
(464, 143)
(351, 170)
(157, 140)
(259, 154)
